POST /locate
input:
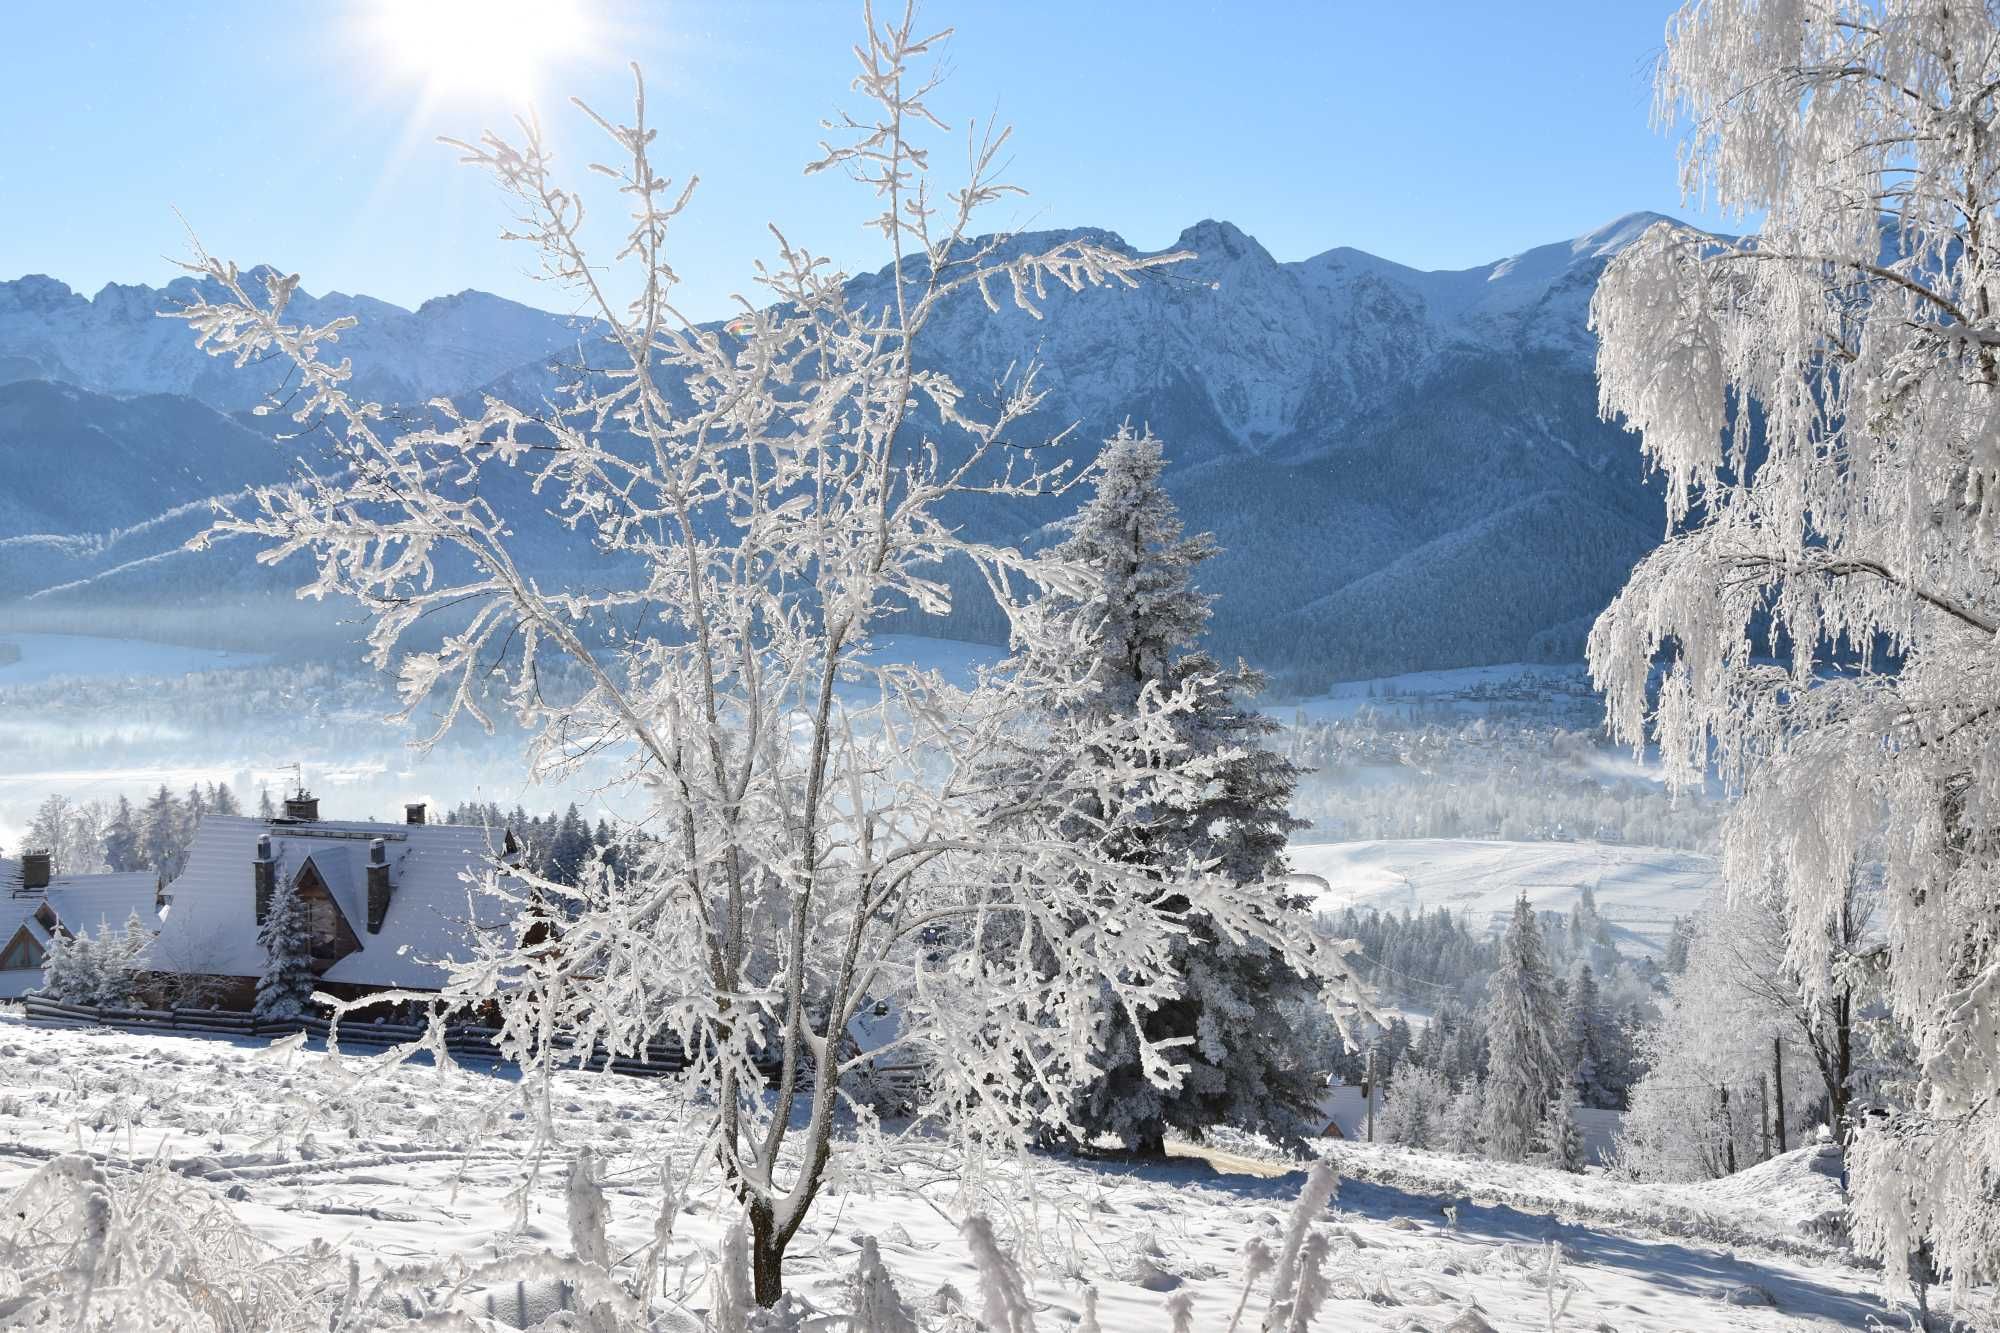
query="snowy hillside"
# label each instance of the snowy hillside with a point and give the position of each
(1406, 469)
(1640, 890)
(286, 1149)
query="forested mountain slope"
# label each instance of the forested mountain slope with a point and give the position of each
(1406, 468)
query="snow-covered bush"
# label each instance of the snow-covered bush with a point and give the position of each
(814, 828)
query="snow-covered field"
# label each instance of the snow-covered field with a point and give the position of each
(390, 1178)
(1639, 889)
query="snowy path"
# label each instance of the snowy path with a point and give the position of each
(390, 1175)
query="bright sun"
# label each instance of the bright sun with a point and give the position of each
(482, 48)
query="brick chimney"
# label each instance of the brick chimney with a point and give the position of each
(265, 869)
(378, 883)
(302, 807)
(413, 813)
(35, 870)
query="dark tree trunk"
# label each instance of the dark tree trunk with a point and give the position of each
(767, 1257)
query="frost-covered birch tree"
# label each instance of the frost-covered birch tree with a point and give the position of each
(821, 831)
(1824, 402)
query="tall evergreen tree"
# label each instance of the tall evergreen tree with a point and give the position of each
(1139, 629)
(1523, 1032)
(286, 987)
(122, 849)
(160, 832)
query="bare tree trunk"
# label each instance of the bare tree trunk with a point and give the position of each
(767, 1256)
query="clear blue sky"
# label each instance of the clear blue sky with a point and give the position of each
(1441, 134)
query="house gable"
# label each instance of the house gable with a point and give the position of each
(329, 934)
(21, 953)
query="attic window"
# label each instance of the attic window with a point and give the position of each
(329, 936)
(22, 952)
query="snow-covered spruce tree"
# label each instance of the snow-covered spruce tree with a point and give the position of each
(1595, 1049)
(1462, 1129)
(1523, 1032)
(285, 989)
(751, 502)
(1559, 1140)
(1823, 401)
(1132, 635)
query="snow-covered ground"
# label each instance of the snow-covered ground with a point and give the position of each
(1639, 889)
(393, 1179)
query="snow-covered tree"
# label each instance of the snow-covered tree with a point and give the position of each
(1559, 1140)
(1134, 634)
(1733, 1019)
(101, 967)
(285, 989)
(1414, 1111)
(1524, 1034)
(1822, 400)
(816, 829)
(72, 834)
(1462, 1130)
(1594, 1047)
(121, 839)
(162, 830)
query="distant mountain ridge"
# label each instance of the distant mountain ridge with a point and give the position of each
(1406, 467)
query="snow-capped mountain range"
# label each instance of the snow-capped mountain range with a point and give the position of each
(1406, 467)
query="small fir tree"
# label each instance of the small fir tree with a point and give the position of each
(285, 990)
(1523, 1025)
(1561, 1139)
(1460, 1130)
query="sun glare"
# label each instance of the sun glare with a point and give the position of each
(479, 48)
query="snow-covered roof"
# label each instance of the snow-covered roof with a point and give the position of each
(86, 903)
(210, 925)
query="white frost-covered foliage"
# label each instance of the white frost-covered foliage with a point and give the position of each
(285, 989)
(97, 969)
(823, 832)
(1415, 1109)
(1851, 522)
(1133, 634)
(1524, 1039)
(1730, 1014)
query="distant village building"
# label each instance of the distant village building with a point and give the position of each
(385, 904)
(36, 906)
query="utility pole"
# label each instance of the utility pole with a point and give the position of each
(1778, 1080)
(1728, 1134)
(1764, 1111)
(1369, 1081)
